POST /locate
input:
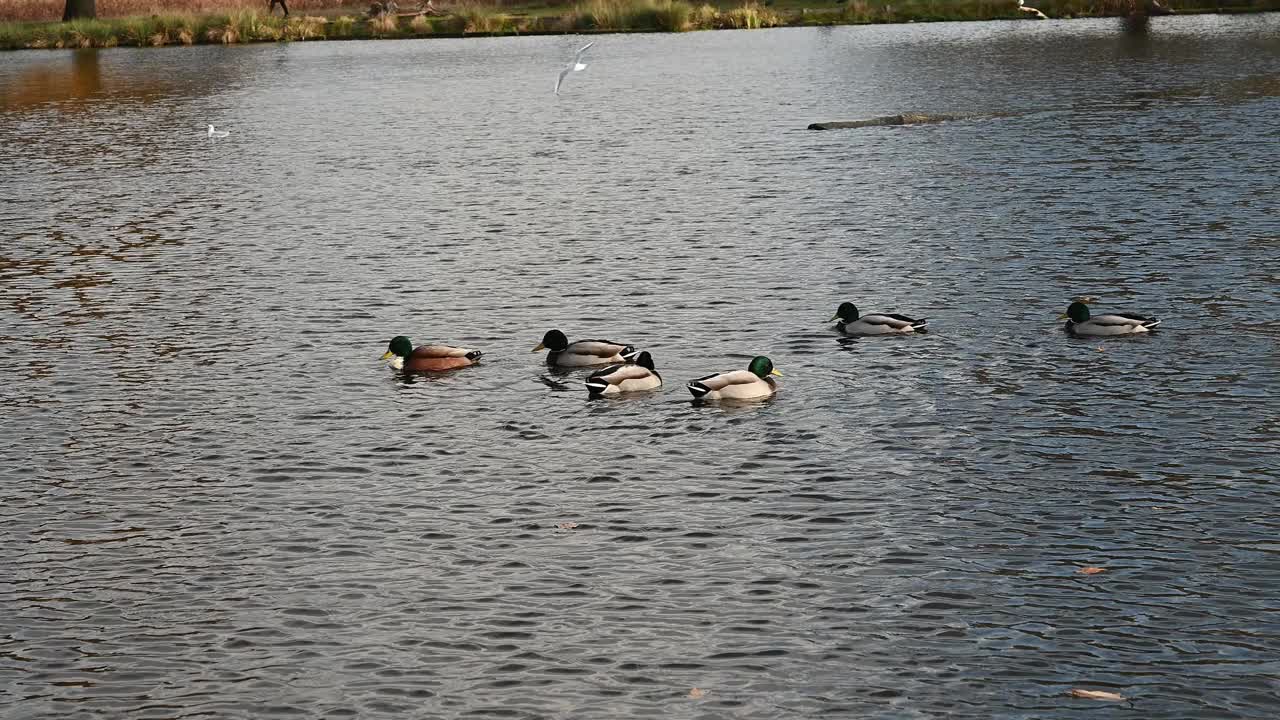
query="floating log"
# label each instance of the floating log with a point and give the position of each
(901, 119)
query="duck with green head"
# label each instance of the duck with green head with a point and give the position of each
(754, 382)
(1081, 322)
(583, 353)
(625, 377)
(404, 356)
(851, 323)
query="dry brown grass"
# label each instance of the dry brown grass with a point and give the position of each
(184, 22)
(51, 10)
(384, 24)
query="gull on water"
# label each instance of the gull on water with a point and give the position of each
(574, 65)
(217, 133)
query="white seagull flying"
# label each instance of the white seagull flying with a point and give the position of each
(217, 133)
(574, 65)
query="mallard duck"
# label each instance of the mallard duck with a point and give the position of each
(754, 382)
(1080, 322)
(875, 323)
(582, 352)
(404, 356)
(625, 377)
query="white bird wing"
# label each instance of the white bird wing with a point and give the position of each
(574, 66)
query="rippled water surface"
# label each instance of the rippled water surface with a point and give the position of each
(217, 502)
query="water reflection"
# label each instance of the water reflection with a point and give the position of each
(210, 482)
(556, 383)
(75, 81)
(66, 79)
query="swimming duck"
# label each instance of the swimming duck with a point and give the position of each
(875, 323)
(404, 356)
(625, 377)
(1080, 322)
(582, 352)
(754, 382)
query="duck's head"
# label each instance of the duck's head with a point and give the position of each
(846, 313)
(1076, 312)
(644, 360)
(762, 367)
(554, 340)
(400, 346)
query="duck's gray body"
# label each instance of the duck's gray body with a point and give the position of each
(881, 324)
(585, 353)
(623, 378)
(733, 385)
(1112, 324)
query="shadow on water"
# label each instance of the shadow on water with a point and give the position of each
(1137, 25)
(554, 379)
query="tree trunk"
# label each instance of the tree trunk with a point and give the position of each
(80, 9)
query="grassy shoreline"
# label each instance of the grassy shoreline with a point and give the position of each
(250, 25)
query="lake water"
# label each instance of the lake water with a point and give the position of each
(217, 502)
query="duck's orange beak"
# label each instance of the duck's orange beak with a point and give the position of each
(775, 372)
(540, 347)
(386, 355)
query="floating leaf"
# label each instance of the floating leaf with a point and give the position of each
(567, 525)
(1096, 694)
(1091, 570)
(1102, 349)
(697, 694)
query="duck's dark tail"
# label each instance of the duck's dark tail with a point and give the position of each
(1150, 323)
(596, 386)
(920, 324)
(698, 389)
(474, 355)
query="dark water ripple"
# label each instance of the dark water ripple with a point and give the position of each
(217, 503)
